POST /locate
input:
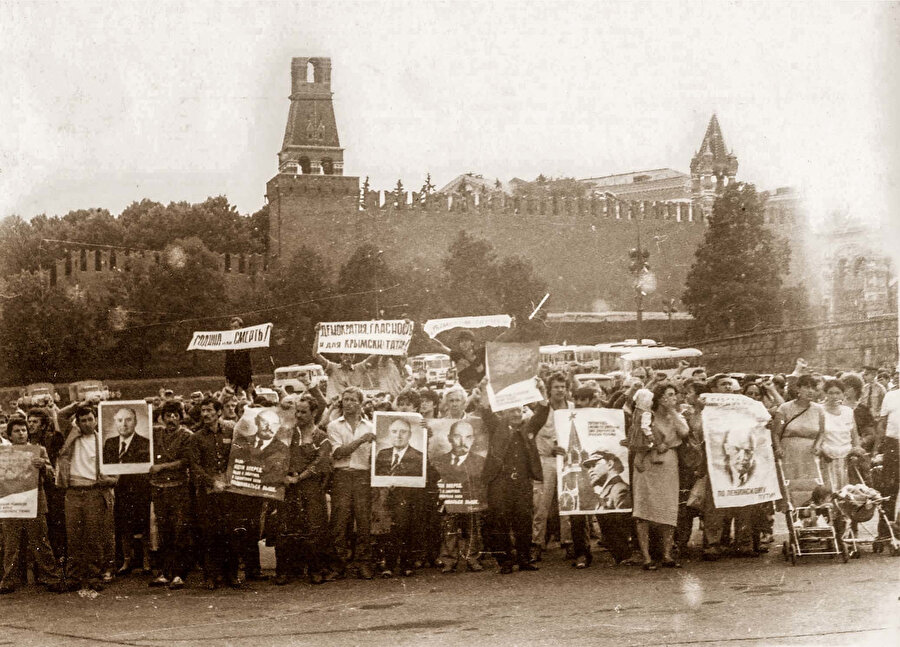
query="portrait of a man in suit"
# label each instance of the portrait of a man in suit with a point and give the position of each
(400, 459)
(738, 450)
(127, 446)
(460, 465)
(264, 449)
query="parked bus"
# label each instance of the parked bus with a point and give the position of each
(432, 369)
(662, 359)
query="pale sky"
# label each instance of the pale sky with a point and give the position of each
(107, 103)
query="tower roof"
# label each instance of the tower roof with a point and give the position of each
(713, 157)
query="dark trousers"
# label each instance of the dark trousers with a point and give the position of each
(37, 547)
(510, 508)
(302, 538)
(581, 536)
(56, 520)
(243, 518)
(220, 550)
(131, 515)
(615, 534)
(405, 508)
(461, 538)
(890, 475)
(172, 506)
(90, 532)
(351, 501)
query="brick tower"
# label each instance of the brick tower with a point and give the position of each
(712, 167)
(310, 187)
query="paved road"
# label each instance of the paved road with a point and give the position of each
(759, 601)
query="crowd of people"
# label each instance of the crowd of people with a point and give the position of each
(179, 519)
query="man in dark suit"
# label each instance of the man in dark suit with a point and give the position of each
(614, 497)
(512, 464)
(132, 503)
(399, 459)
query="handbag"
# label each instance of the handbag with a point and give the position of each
(690, 455)
(697, 497)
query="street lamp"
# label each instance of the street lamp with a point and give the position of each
(644, 279)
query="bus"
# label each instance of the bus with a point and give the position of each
(432, 369)
(662, 359)
(609, 355)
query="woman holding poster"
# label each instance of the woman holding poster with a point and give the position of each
(655, 489)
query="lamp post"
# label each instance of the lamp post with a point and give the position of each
(644, 279)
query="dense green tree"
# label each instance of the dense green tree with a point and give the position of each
(364, 282)
(469, 270)
(47, 333)
(516, 287)
(735, 283)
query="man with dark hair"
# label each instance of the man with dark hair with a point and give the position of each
(170, 491)
(42, 431)
(33, 531)
(512, 464)
(351, 437)
(544, 491)
(209, 448)
(872, 392)
(238, 366)
(89, 504)
(605, 472)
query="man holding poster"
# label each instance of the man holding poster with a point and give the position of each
(24, 467)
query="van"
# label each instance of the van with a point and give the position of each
(289, 377)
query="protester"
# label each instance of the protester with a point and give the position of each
(30, 534)
(655, 489)
(90, 530)
(351, 437)
(839, 441)
(171, 496)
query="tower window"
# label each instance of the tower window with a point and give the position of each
(304, 165)
(98, 262)
(327, 166)
(82, 264)
(310, 72)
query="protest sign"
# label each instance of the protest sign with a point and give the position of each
(457, 451)
(739, 453)
(18, 482)
(240, 339)
(398, 458)
(511, 372)
(126, 431)
(434, 327)
(388, 337)
(260, 452)
(592, 476)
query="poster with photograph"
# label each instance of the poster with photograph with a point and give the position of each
(457, 451)
(126, 431)
(260, 452)
(592, 476)
(18, 482)
(739, 453)
(398, 458)
(511, 371)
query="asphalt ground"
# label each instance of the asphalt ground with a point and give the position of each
(736, 601)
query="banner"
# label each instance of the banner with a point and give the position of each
(18, 482)
(511, 371)
(398, 458)
(365, 337)
(457, 451)
(240, 339)
(126, 432)
(592, 476)
(434, 327)
(260, 452)
(738, 450)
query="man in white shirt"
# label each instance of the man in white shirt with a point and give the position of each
(351, 437)
(89, 506)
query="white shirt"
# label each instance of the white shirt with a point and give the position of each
(340, 433)
(890, 407)
(398, 455)
(84, 458)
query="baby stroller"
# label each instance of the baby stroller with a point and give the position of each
(814, 526)
(859, 504)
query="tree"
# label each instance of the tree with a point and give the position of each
(363, 281)
(46, 333)
(303, 281)
(518, 290)
(166, 300)
(735, 283)
(469, 272)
